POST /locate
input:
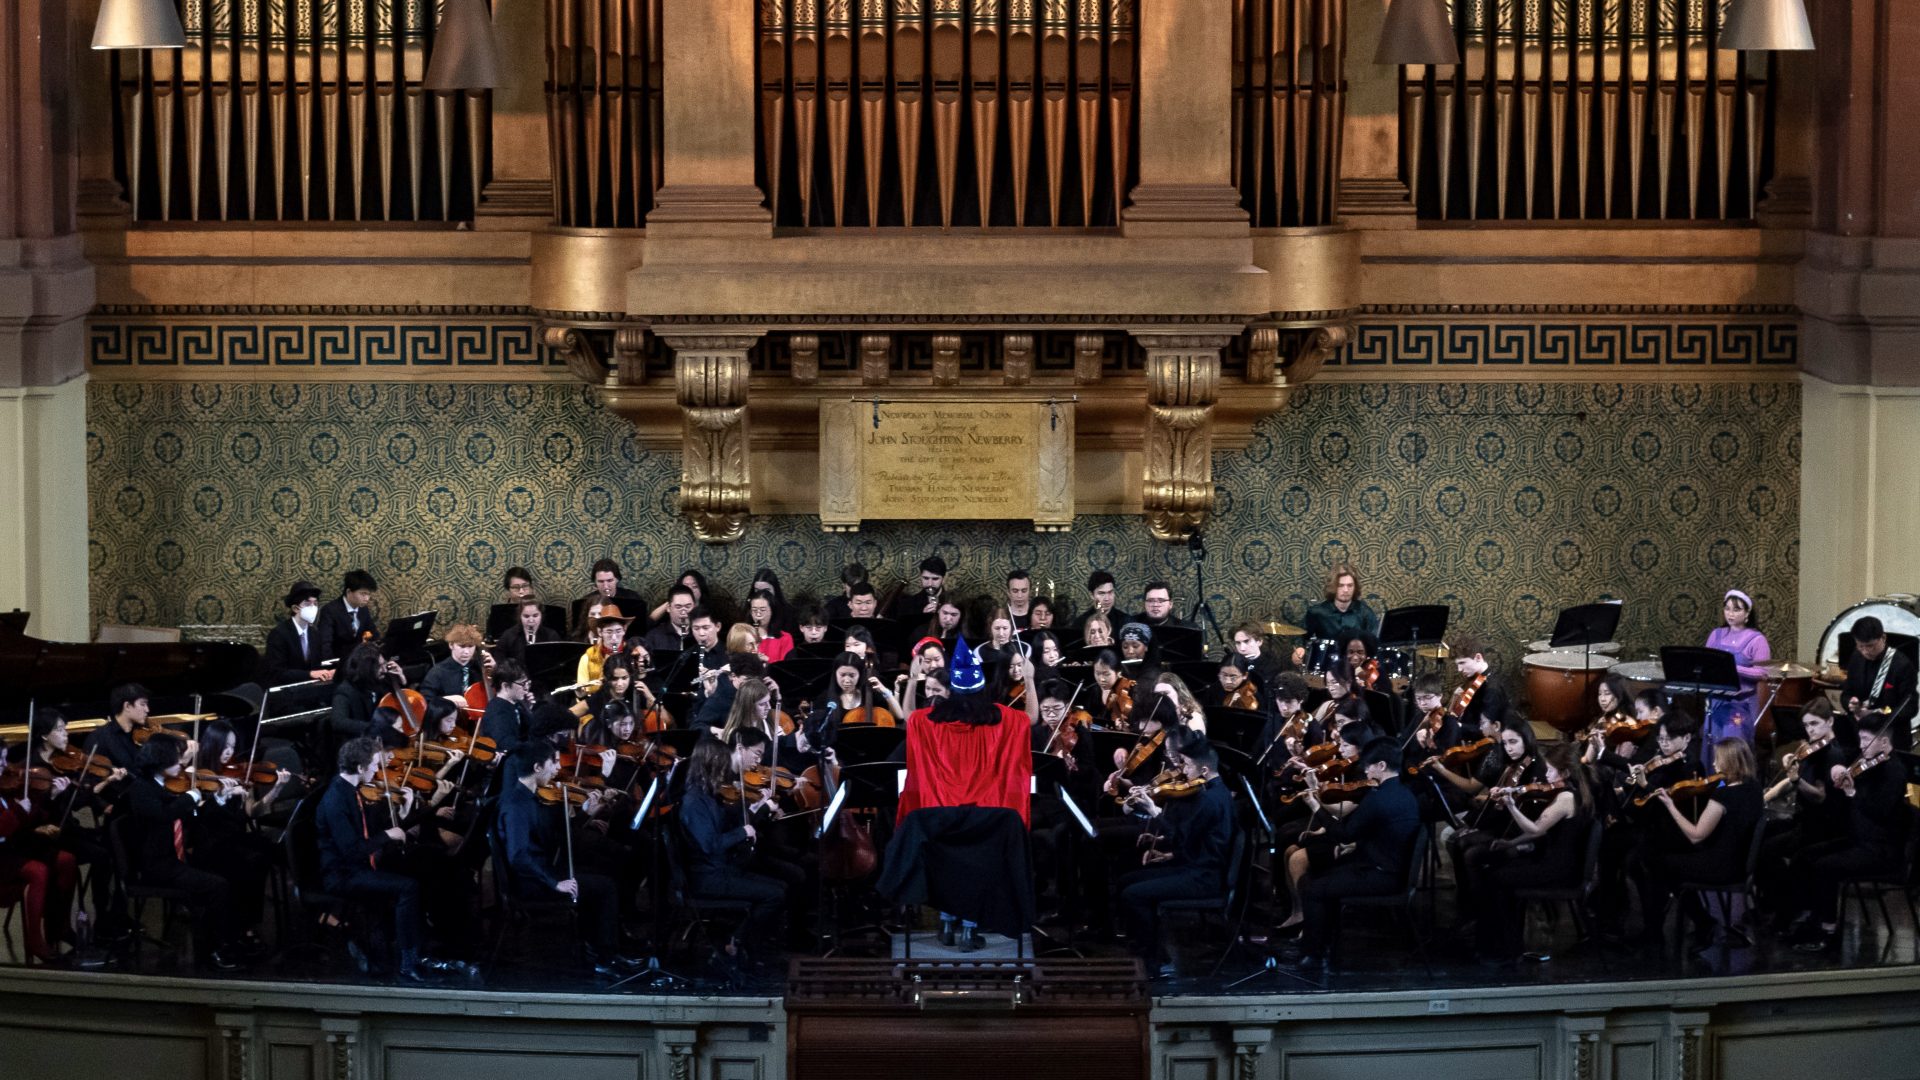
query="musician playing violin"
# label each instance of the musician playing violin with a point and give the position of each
(1264, 666)
(1515, 760)
(93, 780)
(351, 842)
(127, 710)
(509, 714)
(721, 841)
(32, 859)
(227, 844)
(537, 856)
(1874, 791)
(1820, 813)
(1232, 688)
(1712, 846)
(1640, 830)
(1197, 831)
(162, 823)
(451, 677)
(1371, 848)
(1303, 840)
(1547, 850)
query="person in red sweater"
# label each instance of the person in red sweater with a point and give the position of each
(32, 861)
(967, 749)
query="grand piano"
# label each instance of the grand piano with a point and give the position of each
(57, 671)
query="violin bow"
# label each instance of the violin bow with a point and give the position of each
(26, 762)
(84, 766)
(566, 820)
(1065, 718)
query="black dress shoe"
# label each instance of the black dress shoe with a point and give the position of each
(410, 973)
(1309, 962)
(218, 962)
(1818, 942)
(947, 936)
(433, 965)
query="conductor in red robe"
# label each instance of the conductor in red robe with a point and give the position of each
(968, 750)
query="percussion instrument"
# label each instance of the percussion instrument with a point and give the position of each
(1396, 665)
(1598, 647)
(1276, 628)
(1560, 686)
(1640, 674)
(1789, 684)
(1897, 616)
(1436, 651)
(1322, 655)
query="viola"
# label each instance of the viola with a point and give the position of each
(1142, 752)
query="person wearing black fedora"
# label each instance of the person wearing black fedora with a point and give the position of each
(293, 652)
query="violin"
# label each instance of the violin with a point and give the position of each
(71, 762)
(1637, 775)
(1344, 791)
(552, 794)
(38, 780)
(1243, 697)
(1463, 695)
(1806, 751)
(1119, 703)
(1854, 770)
(1523, 792)
(1691, 788)
(1329, 788)
(1143, 751)
(1168, 785)
(1615, 729)
(755, 782)
(477, 747)
(1066, 730)
(1458, 758)
(1369, 674)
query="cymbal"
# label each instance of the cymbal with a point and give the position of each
(1276, 628)
(1436, 651)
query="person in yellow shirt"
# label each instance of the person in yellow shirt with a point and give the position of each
(609, 636)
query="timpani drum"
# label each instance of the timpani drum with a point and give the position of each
(1560, 687)
(1640, 675)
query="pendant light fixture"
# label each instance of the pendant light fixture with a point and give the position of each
(464, 56)
(1417, 32)
(138, 24)
(1776, 25)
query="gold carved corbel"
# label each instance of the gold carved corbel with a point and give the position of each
(574, 346)
(1183, 383)
(1316, 348)
(1017, 359)
(629, 356)
(710, 384)
(1291, 355)
(946, 359)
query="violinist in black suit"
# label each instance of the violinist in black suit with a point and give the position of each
(347, 619)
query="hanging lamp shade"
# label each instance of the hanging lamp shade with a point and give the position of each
(464, 56)
(1417, 32)
(138, 24)
(1776, 25)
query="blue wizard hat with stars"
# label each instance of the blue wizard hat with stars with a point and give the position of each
(965, 675)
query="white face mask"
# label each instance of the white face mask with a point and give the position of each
(309, 612)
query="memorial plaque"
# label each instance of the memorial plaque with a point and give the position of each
(946, 460)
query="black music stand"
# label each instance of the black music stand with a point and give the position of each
(830, 646)
(888, 635)
(504, 617)
(407, 634)
(553, 663)
(864, 745)
(14, 622)
(1234, 729)
(1270, 962)
(654, 976)
(1694, 669)
(1179, 643)
(1202, 609)
(1405, 629)
(1586, 625)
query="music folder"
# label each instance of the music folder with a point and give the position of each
(1073, 808)
(646, 801)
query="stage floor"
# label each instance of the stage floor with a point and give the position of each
(1375, 956)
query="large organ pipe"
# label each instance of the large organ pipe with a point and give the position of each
(1022, 66)
(984, 71)
(837, 79)
(909, 93)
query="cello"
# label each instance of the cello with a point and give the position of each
(847, 854)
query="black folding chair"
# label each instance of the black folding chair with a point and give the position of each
(1400, 902)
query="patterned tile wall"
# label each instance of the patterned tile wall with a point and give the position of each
(1506, 500)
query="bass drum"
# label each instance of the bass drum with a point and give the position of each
(1560, 687)
(1896, 616)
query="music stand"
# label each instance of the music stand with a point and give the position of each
(553, 663)
(826, 649)
(14, 622)
(1197, 547)
(862, 745)
(1179, 643)
(407, 634)
(1694, 669)
(1271, 964)
(1234, 760)
(1586, 625)
(657, 977)
(888, 635)
(1408, 628)
(1086, 654)
(1235, 729)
